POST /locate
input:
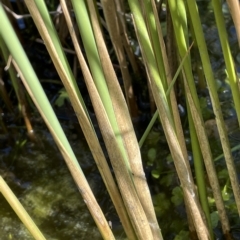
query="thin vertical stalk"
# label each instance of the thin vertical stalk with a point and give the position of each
(232, 75)
(199, 171)
(40, 99)
(151, 23)
(114, 29)
(180, 39)
(125, 126)
(179, 19)
(209, 164)
(94, 143)
(20, 210)
(234, 6)
(215, 100)
(196, 149)
(94, 61)
(167, 121)
(111, 102)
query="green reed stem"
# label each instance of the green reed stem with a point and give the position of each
(232, 75)
(193, 11)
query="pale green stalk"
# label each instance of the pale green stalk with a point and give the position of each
(148, 50)
(95, 147)
(20, 210)
(181, 17)
(35, 90)
(155, 116)
(230, 66)
(112, 107)
(115, 30)
(209, 165)
(90, 47)
(182, 167)
(234, 7)
(199, 172)
(215, 100)
(154, 38)
(198, 121)
(178, 14)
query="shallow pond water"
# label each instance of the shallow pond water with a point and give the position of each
(38, 175)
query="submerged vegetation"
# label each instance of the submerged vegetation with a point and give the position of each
(120, 119)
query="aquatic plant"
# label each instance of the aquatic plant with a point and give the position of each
(115, 110)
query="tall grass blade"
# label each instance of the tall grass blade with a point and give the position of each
(111, 103)
(209, 164)
(215, 100)
(20, 210)
(94, 143)
(234, 6)
(167, 121)
(230, 66)
(115, 31)
(35, 90)
(126, 128)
